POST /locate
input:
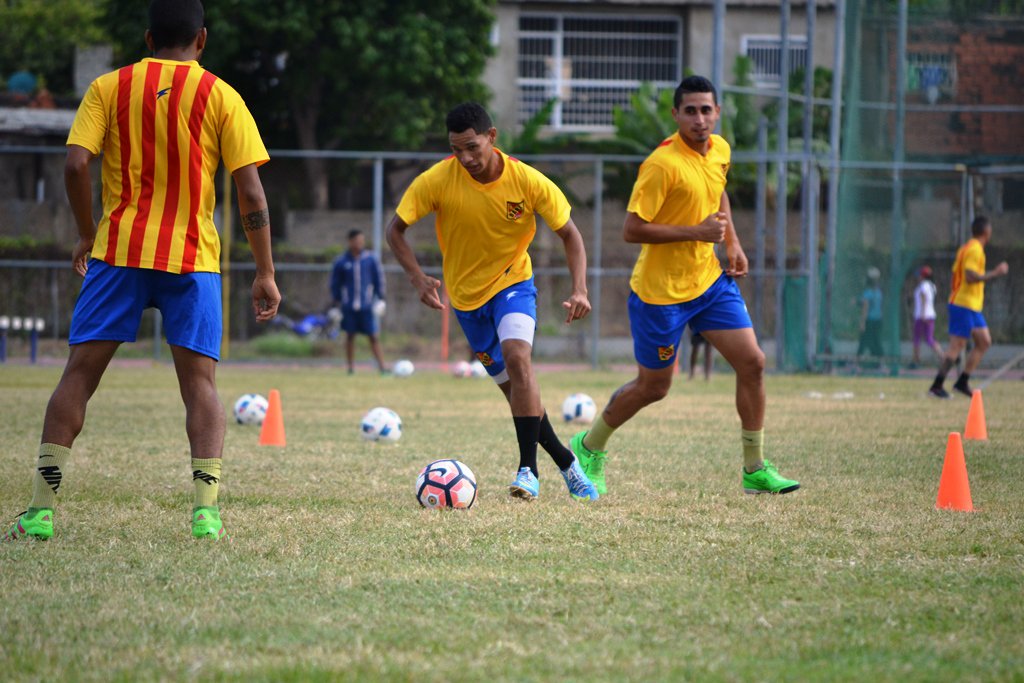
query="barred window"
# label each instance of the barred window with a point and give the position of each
(591, 63)
(765, 51)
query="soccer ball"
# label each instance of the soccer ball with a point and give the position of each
(462, 369)
(579, 408)
(403, 368)
(446, 484)
(250, 409)
(477, 369)
(381, 424)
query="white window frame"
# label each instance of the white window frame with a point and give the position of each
(560, 82)
(767, 80)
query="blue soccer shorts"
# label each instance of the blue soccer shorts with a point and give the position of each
(658, 329)
(962, 321)
(510, 314)
(359, 322)
(112, 299)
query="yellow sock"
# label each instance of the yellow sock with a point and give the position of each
(49, 474)
(753, 449)
(597, 438)
(206, 478)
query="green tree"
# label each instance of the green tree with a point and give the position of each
(331, 74)
(40, 37)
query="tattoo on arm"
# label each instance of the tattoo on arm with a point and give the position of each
(257, 220)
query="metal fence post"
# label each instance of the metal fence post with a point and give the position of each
(780, 191)
(378, 206)
(595, 269)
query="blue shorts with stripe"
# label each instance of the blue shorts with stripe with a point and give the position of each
(658, 329)
(962, 320)
(481, 325)
(110, 306)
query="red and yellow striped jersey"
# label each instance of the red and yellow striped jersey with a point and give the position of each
(163, 127)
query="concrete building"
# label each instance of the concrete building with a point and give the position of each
(593, 55)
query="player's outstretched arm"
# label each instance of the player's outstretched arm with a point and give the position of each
(738, 264)
(424, 284)
(252, 205)
(577, 306)
(638, 231)
(78, 185)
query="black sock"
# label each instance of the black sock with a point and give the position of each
(961, 381)
(944, 368)
(527, 432)
(548, 440)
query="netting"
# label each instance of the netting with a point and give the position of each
(910, 188)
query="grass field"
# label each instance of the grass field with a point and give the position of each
(334, 573)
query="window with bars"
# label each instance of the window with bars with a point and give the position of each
(765, 52)
(591, 63)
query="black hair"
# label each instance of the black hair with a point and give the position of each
(354, 232)
(174, 23)
(468, 115)
(692, 84)
(979, 225)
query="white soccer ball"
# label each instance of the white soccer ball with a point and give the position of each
(477, 369)
(250, 409)
(446, 484)
(579, 408)
(462, 369)
(381, 424)
(403, 368)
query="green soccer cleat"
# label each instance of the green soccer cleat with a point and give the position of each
(206, 524)
(35, 523)
(592, 462)
(767, 480)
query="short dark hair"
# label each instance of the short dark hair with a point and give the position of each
(692, 84)
(468, 115)
(979, 225)
(174, 23)
(354, 232)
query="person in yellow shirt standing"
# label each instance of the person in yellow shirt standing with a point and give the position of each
(163, 125)
(679, 211)
(485, 204)
(966, 299)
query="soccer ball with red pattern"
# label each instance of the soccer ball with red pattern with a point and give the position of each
(446, 484)
(462, 369)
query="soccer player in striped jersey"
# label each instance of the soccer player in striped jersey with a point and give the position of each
(678, 211)
(485, 204)
(163, 125)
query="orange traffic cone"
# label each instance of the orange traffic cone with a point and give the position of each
(975, 428)
(272, 431)
(954, 489)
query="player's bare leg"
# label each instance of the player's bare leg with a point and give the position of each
(204, 424)
(65, 413)
(350, 351)
(204, 414)
(957, 344)
(982, 340)
(378, 354)
(741, 351)
(649, 386)
(65, 416)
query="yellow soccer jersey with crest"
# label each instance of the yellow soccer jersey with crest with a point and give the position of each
(678, 186)
(484, 229)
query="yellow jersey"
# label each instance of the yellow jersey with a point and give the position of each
(971, 256)
(483, 230)
(678, 186)
(163, 127)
